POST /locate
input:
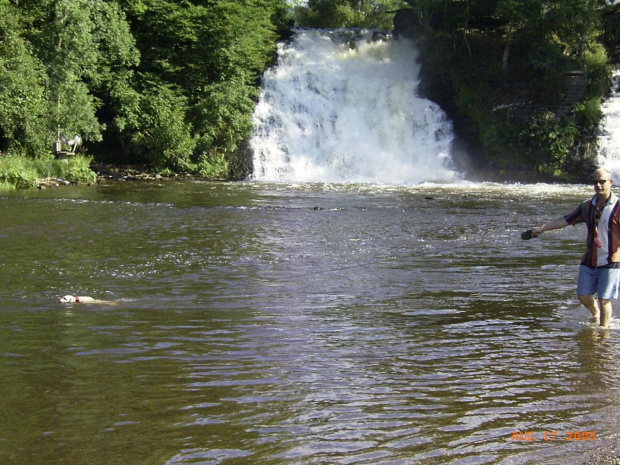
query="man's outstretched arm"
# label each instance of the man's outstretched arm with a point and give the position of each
(550, 226)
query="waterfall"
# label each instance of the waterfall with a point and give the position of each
(609, 134)
(341, 107)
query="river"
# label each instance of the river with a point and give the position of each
(260, 323)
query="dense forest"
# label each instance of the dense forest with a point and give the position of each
(171, 84)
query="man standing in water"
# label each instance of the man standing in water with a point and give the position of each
(599, 272)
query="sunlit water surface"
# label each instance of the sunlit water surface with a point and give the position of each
(302, 324)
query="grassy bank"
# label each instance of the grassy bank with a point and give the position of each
(21, 173)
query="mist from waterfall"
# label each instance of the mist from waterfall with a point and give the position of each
(342, 107)
(609, 133)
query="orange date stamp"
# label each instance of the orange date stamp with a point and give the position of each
(525, 436)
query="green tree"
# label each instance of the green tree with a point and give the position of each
(71, 58)
(168, 82)
(22, 105)
(89, 61)
(84, 54)
(371, 14)
(209, 55)
(162, 135)
(502, 62)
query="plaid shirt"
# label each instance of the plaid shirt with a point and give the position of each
(586, 213)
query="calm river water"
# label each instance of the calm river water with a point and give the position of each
(311, 324)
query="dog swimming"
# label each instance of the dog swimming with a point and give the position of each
(79, 299)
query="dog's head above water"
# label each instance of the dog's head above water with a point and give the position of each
(70, 299)
(81, 299)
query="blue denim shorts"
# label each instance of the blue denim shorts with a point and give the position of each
(602, 281)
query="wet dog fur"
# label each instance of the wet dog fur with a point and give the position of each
(80, 299)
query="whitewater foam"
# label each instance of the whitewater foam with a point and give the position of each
(338, 108)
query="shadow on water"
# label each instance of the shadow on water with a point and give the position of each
(258, 323)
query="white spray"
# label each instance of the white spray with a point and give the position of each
(345, 109)
(609, 138)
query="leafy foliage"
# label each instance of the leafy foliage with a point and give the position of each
(370, 14)
(18, 171)
(512, 55)
(22, 106)
(22, 172)
(77, 170)
(165, 82)
(548, 139)
(209, 58)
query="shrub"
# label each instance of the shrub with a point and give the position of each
(78, 170)
(18, 171)
(22, 172)
(214, 166)
(166, 141)
(548, 139)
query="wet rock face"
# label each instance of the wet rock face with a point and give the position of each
(241, 163)
(405, 22)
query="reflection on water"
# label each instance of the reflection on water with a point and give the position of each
(297, 324)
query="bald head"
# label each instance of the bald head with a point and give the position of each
(601, 173)
(601, 179)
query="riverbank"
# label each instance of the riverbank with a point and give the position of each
(130, 173)
(140, 173)
(105, 173)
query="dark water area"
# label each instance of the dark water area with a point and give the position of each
(303, 324)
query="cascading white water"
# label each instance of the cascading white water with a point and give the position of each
(609, 138)
(342, 107)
